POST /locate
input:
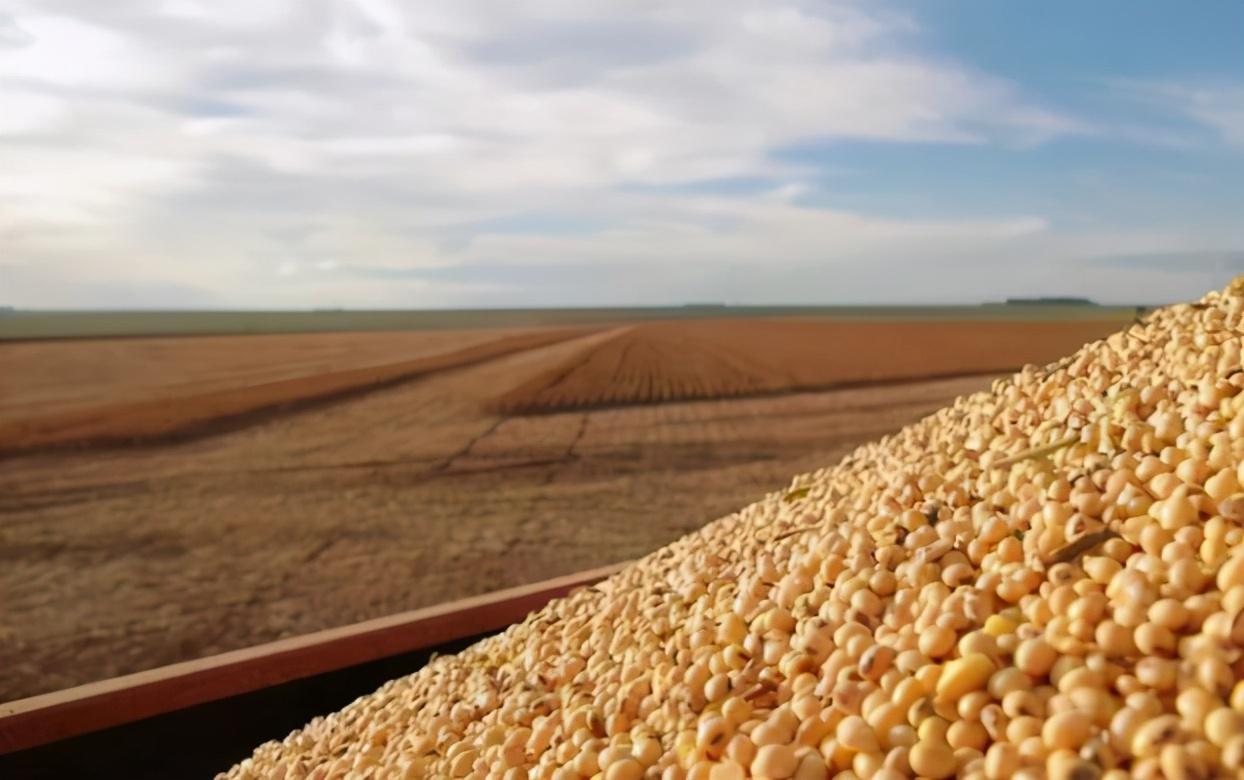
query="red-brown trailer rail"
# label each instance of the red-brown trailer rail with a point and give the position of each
(38, 731)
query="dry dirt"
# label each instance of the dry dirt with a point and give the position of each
(117, 559)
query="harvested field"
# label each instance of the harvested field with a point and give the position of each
(664, 361)
(114, 560)
(120, 391)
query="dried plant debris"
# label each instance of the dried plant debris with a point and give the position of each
(1076, 614)
(1038, 452)
(796, 494)
(1080, 546)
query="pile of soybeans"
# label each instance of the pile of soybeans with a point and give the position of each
(1042, 580)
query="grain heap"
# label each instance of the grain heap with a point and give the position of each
(1044, 580)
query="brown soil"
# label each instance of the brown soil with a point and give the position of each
(118, 559)
(662, 361)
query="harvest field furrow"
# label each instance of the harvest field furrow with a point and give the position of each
(51, 376)
(661, 361)
(183, 412)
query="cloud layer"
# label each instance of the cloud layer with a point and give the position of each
(377, 153)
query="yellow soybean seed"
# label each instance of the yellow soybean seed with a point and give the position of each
(964, 675)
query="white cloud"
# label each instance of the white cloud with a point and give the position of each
(277, 153)
(1215, 104)
(1220, 108)
(70, 52)
(230, 14)
(58, 189)
(27, 111)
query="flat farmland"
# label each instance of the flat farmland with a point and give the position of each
(145, 549)
(681, 360)
(112, 391)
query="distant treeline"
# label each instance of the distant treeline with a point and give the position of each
(1055, 301)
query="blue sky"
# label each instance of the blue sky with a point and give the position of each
(374, 153)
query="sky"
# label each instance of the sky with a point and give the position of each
(280, 154)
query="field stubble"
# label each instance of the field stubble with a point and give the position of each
(681, 360)
(109, 392)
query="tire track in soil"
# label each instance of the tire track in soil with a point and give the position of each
(465, 450)
(570, 454)
(528, 525)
